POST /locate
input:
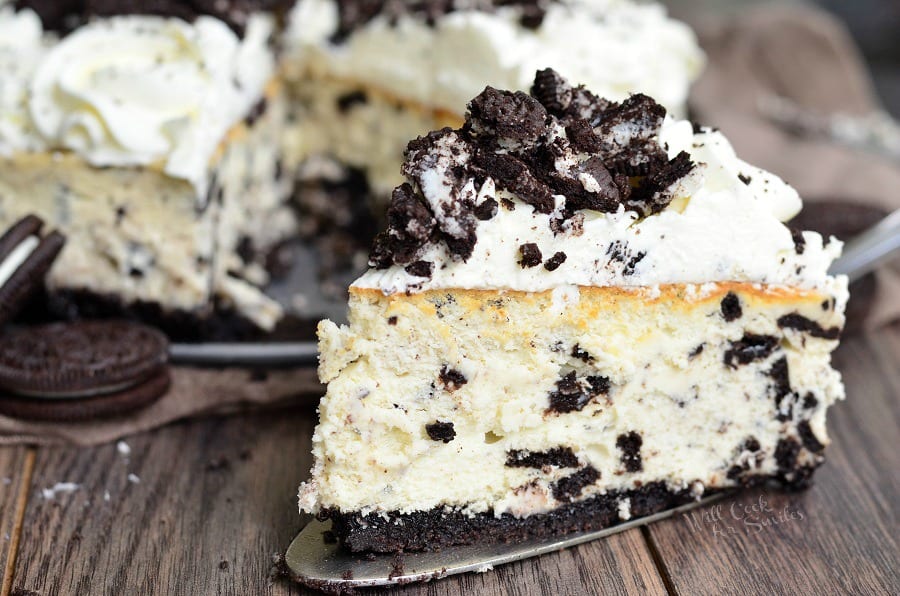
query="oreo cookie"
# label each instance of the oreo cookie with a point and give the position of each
(88, 408)
(25, 258)
(82, 370)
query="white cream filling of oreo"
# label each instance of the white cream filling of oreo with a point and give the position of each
(17, 258)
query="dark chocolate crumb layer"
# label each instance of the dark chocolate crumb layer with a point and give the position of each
(440, 527)
(64, 16)
(356, 14)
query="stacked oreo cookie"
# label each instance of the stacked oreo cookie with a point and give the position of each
(69, 371)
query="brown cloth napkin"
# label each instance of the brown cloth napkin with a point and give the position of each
(800, 54)
(195, 392)
(806, 56)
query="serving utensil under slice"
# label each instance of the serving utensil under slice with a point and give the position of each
(318, 563)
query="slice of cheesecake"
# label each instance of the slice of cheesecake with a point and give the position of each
(153, 141)
(369, 76)
(582, 312)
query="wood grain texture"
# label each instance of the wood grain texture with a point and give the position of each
(621, 564)
(15, 470)
(839, 537)
(216, 499)
(210, 503)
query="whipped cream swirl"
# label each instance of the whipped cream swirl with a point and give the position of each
(577, 191)
(614, 47)
(141, 90)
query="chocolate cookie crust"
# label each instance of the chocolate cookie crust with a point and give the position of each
(64, 16)
(356, 14)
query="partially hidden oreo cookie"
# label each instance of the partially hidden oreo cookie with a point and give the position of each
(25, 258)
(88, 408)
(80, 359)
(82, 371)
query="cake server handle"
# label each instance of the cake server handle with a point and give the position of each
(870, 249)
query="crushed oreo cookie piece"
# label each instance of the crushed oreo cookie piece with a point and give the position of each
(410, 226)
(559, 457)
(570, 488)
(749, 348)
(582, 354)
(808, 437)
(745, 179)
(530, 255)
(553, 263)
(507, 118)
(731, 307)
(780, 389)
(440, 431)
(452, 378)
(348, 101)
(630, 445)
(552, 91)
(487, 209)
(510, 173)
(573, 394)
(798, 322)
(420, 268)
(799, 240)
(621, 253)
(608, 157)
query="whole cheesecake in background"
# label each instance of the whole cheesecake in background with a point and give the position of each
(369, 76)
(174, 142)
(151, 135)
(582, 312)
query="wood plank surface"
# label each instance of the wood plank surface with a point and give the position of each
(15, 471)
(211, 501)
(840, 536)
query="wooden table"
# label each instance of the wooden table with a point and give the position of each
(210, 502)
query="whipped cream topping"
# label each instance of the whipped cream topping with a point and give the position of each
(615, 47)
(137, 90)
(22, 46)
(482, 209)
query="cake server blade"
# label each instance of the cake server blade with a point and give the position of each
(315, 563)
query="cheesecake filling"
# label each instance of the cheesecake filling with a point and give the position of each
(515, 403)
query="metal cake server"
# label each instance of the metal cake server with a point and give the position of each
(861, 255)
(317, 564)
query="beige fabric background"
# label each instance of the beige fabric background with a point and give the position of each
(798, 53)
